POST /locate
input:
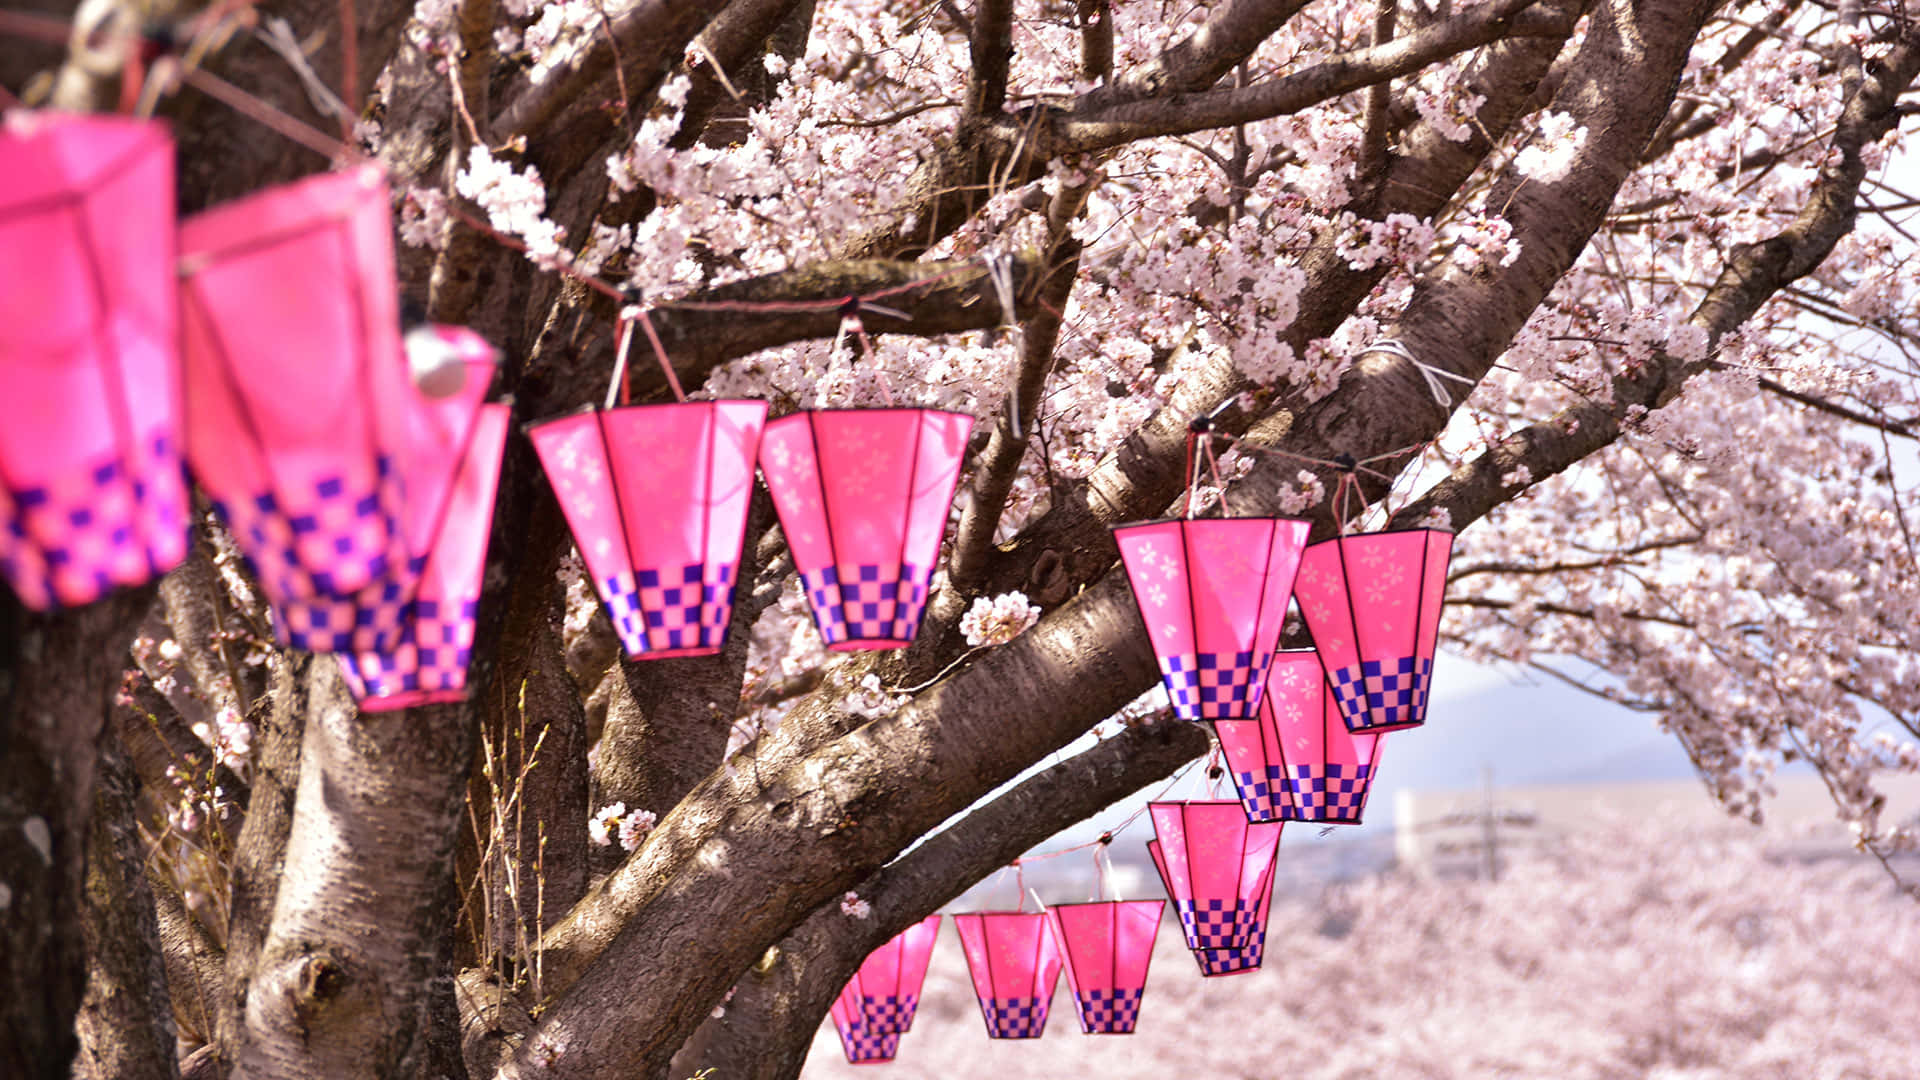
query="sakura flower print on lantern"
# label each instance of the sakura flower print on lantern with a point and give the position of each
(863, 496)
(890, 978)
(1372, 602)
(656, 496)
(428, 664)
(92, 494)
(1107, 947)
(1213, 594)
(1298, 761)
(861, 1046)
(1215, 863)
(297, 399)
(1015, 965)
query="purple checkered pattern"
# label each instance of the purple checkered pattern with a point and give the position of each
(431, 655)
(1015, 1018)
(867, 602)
(298, 551)
(1109, 1012)
(887, 1014)
(684, 607)
(1215, 924)
(862, 1046)
(1327, 793)
(72, 541)
(372, 620)
(1215, 686)
(1380, 694)
(1233, 961)
(1263, 794)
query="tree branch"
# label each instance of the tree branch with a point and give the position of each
(651, 36)
(1752, 276)
(991, 43)
(770, 1021)
(1082, 129)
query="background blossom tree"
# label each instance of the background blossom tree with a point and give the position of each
(1620, 291)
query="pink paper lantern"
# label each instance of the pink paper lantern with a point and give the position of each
(1298, 762)
(1372, 602)
(1246, 958)
(1213, 593)
(1107, 947)
(1015, 965)
(1214, 863)
(889, 980)
(428, 664)
(372, 626)
(863, 496)
(297, 399)
(657, 499)
(862, 1047)
(92, 495)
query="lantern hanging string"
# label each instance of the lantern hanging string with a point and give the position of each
(619, 386)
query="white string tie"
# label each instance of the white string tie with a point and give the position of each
(1431, 374)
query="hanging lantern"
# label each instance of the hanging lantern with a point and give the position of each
(1107, 947)
(888, 982)
(296, 388)
(1015, 964)
(657, 499)
(92, 495)
(1246, 958)
(1372, 602)
(1214, 863)
(863, 496)
(1213, 593)
(862, 1047)
(428, 664)
(1298, 762)
(370, 628)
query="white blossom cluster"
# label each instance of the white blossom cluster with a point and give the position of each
(998, 620)
(615, 822)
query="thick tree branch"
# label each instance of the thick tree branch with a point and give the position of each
(651, 36)
(991, 42)
(999, 462)
(58, 673)
(341, 985)
(126, 1020)
(770, 1021)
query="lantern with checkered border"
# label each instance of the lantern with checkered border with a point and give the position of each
(92, 494)
(1372, 602)
(1213, 594)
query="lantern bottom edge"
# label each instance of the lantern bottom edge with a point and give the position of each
(410, 699)
(675, 654)
(868, 644)
(1382, 729)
